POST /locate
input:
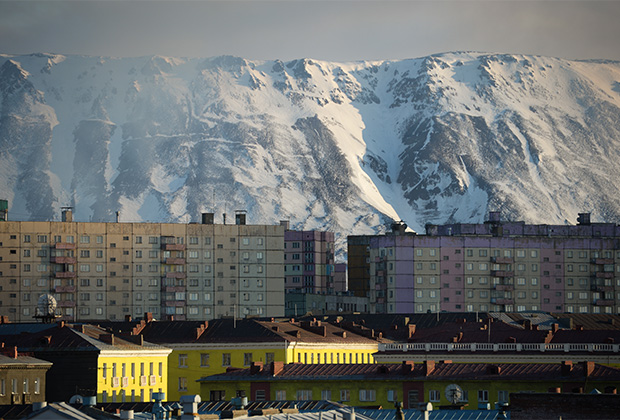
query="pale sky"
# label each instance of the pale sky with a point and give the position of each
(344, 30)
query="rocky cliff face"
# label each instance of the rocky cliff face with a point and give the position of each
(346, 147)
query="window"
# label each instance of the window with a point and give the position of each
(502, 396)
(326, 394)
(226, 359)
(183, 360)
(304, 394)
(247, 359)
(483, 395)
(434, 395)
(368, 394)
(204, 359)
(345, 395)
(182, 383)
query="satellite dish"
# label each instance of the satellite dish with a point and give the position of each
(454, 393)
(76, 399)
(46, 306)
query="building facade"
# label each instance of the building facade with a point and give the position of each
(114, 270)
(364, 385)
(22, 378)
(89, 361)
(309, 261)
(496, 266)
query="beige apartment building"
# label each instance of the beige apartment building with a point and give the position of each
(110, 271)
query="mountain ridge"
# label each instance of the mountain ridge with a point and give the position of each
(340, 146)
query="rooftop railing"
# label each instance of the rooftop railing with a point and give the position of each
(500, 347)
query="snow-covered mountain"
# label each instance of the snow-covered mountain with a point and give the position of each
(340, 146)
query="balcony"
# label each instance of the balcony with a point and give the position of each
(174, 261)
(603, 302)
(64, 245)
(175, 275)
(604, 275)
(66, 303)
(502, 301)
(174, 303)
(505, 287)
(602, 261)
(63, 260)
(601, 288)
(64, 289)
(173, 247)
(502, 260)
(172, 289)
(64, 274)
(501, 273)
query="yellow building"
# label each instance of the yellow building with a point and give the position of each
(89, 361)
(216, 346)
(460, 384)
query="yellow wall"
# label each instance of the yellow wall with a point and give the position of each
(305, 353)
(381, 388)
(142, 392)
(193, 369)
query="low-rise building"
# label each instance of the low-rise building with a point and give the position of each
(467, 385)
(22, 378)
(89, 361)
(203, 349)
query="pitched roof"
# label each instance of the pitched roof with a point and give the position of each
(430, 370)
(247, 330)
(81, 337)
(22, 361)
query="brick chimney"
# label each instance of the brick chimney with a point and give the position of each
(256, 367)
(277, 367)
(493, 370)
(407, 366)
(567, 367)
(411, 330)
(429, 367)
(588, 368)
(555, 327)
(148, 316)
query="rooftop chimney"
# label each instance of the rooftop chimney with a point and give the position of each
(429, 367)
(67, 214)
(240, 217)
(583, 219)
(256, 367)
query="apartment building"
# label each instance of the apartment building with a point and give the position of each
(114, 270)
(495, 266)
(309, 261)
